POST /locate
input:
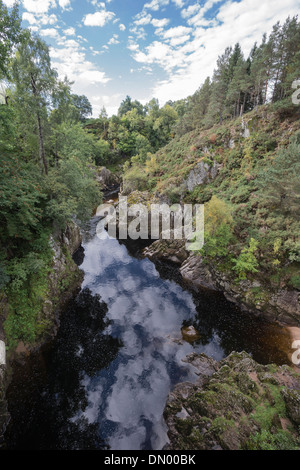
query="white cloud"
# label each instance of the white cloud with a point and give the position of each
(179, 3)
(132, 45)
(160, 23)
(38, 6)
(191, 10)
(49, 32)
(157, 52)
(70, 31)
(64, 4)
(199, 18)
(70, 61)
(140, 33)
(43, 19)
(29, 17)
(176, 32)
(114, 40)
(143, 20)
(156, 4)
(9, 3)
(122, 27)
(100, 18)
(48, 19)
(176, 41)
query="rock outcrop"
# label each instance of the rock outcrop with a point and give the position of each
(203, 173)
(106, 178)
(165, 250)
(235, 404)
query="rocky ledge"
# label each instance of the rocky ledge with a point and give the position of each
(250, 295)
(235, 404)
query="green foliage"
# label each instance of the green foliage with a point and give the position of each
(218, 232)
(217, 213)
(10, 34)
(137, 130)
(216, 244)
(295, 282)
(280, 182)
(265, 440)
(20, 198)
(135, 179)
(247, 261)
(71, 191)
(83, 106)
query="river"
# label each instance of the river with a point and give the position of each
(104, 380)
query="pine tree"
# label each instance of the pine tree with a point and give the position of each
(221, 80)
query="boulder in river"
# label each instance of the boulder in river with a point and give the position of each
(190, 334)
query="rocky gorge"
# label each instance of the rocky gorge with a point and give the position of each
(232, 404)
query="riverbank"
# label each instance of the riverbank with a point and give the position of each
(63, 280)
(252, 294)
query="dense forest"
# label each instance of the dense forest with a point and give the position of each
(50, 149)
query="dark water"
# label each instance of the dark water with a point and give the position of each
(104, 380)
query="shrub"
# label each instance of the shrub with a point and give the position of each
(135, 179)
(247, 261)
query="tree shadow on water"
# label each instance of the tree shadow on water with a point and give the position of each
(47, 396)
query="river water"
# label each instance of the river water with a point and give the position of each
(104, 380)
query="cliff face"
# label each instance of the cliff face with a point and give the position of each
(235, 404)
(64, 278)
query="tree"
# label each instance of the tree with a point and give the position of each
(165, 122)
(83, 106)
(103, 121)
(128, 105)
(218, 228)
(9, 34)
(34, 79)
(63, 103)
(238, 89)
(257, 73)
(221, 80)
(286, 58)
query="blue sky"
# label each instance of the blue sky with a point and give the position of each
(145, 49)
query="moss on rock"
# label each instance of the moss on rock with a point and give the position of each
(236, 404)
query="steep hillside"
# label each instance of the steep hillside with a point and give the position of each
(245, 171)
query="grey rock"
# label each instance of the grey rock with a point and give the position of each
(201, 174)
